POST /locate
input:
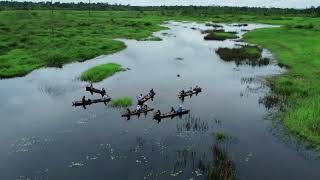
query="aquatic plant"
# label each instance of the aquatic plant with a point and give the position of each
(223, 167)
(243, 55)
(219, 35)
(178, 58)
(192, 124)
(298, 88)
(152, 38)
(100, 72)
(219, 136)
(53, 40)
(121, 102)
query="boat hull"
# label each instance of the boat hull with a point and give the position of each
(89, 102)
(166, 115)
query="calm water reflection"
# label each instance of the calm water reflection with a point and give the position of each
(43, 137)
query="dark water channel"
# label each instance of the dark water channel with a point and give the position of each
(43, 137)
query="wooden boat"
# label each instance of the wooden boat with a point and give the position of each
(171, 114)
(137, 112)
(93, 90)
(190, 93)
(146, 98)
(89, 101)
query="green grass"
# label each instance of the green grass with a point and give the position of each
(252, 54)
(220, 35)
(37, 39)
(299, 50)
(121, 102)
(219, 136)
(100, 72)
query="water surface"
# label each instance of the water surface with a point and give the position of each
(43, 137)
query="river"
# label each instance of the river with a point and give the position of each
(43, 137)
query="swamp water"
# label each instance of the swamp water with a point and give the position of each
(43, 137)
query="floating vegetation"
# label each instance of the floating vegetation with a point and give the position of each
(178, 59)
(219, 136)
(27, 144)
(91, 158)
(183, 157)
(121, 102)
(139, 144)
(176, 173)
(152, 38)
(219, 35)
(81, 122)
(249, 156)
(220, 167)
(223, 168)
(100, 72)
(250, 55)
(270, 101)
(76, 164)
(113, 153)
(192, 124)
(23, 178)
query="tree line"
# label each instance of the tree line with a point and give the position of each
(184, 10)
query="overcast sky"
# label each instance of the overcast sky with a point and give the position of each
(259, 3)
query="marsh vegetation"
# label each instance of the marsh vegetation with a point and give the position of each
(121, 102)
(219, 35)
(100, 72)
(243, 55)
(44, 39)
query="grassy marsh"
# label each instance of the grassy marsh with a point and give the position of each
(220, 35)
(39, 38)
(100, 72)
(244, 54)
(121, 102)
(298, 50)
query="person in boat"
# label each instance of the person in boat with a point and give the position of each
(182, 92)
(197, 88)
(180, 109)
(152, 92)
(84, 99)
(158, 113)
(138, 108)
(128, 111)
(173, 110)
(145, 106)
(190, 89)
(91, 86)
(103, 92)
(140, 97)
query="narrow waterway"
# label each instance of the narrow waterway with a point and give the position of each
(43, 137)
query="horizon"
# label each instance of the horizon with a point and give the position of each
(296, 4)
